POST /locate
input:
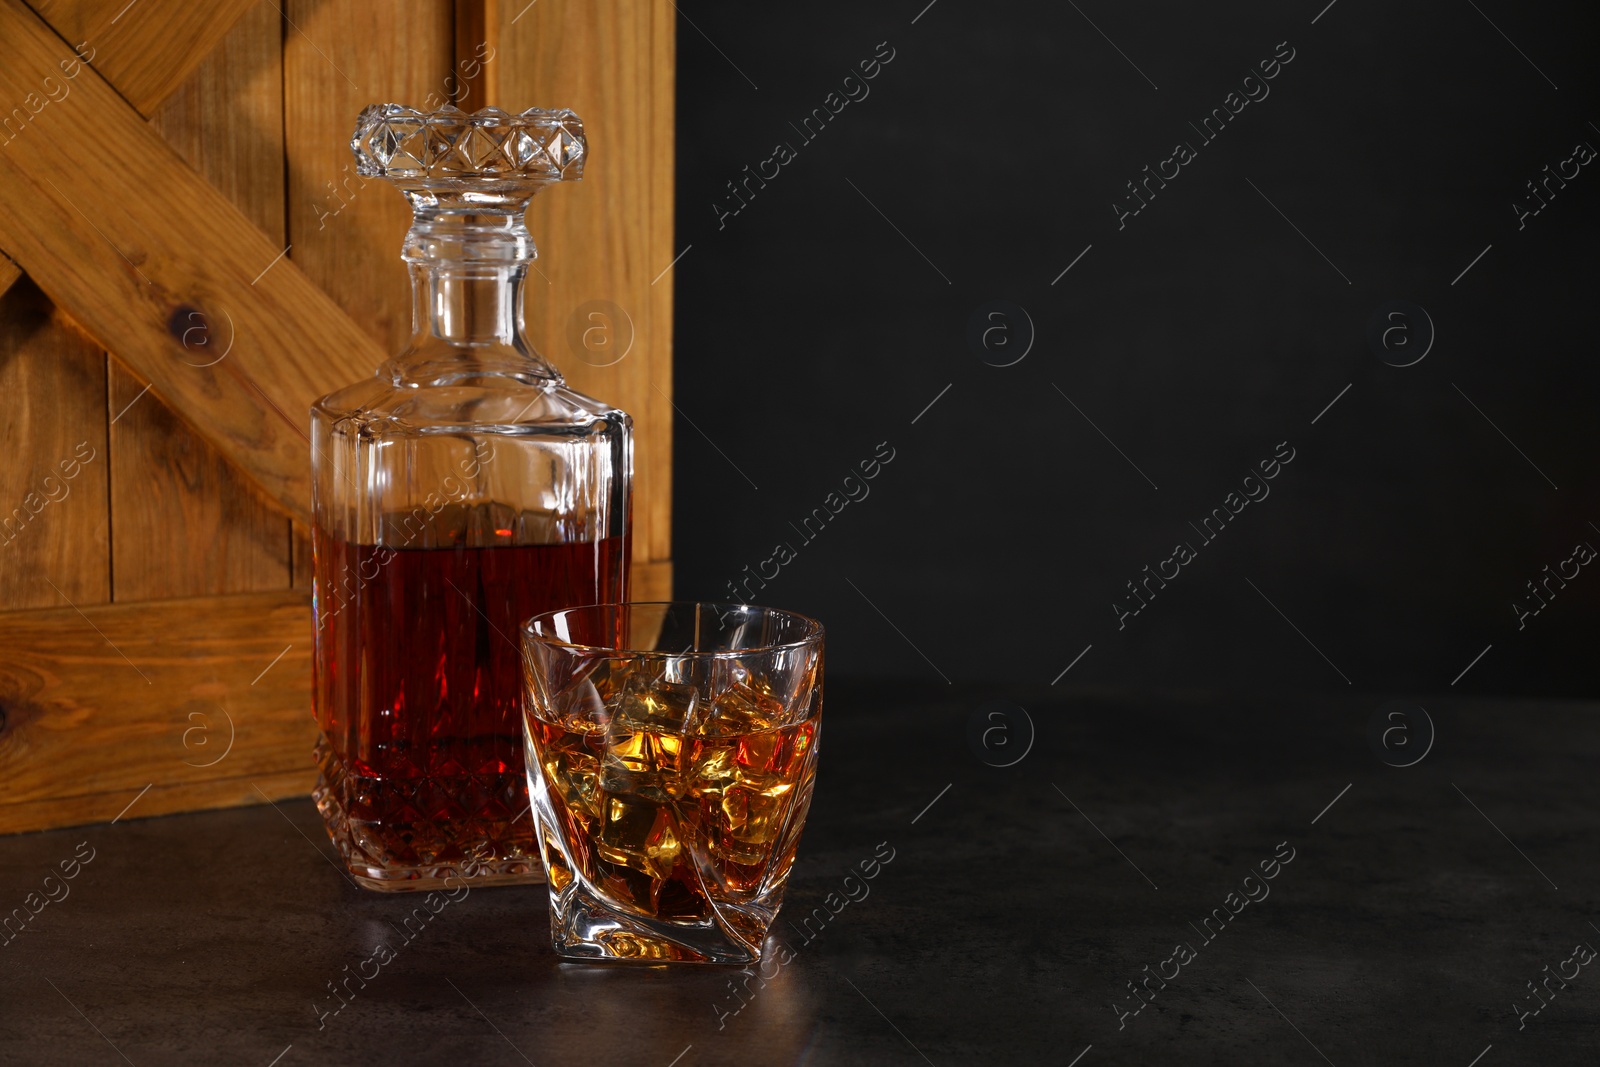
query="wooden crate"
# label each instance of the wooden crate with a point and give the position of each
(189, 259)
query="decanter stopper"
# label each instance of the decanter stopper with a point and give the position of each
(448, 149)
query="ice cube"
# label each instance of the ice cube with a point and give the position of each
(644, 734)
(657, 703)
(710, 768)
(741, 703)
(639, 834)
(641, 762)
(740, 708)
(754, 818)
(575, 776)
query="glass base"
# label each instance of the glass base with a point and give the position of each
(441, 878)
(583, 926)
(405, 855)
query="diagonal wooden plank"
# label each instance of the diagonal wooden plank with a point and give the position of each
(145, 48)
(158, 267)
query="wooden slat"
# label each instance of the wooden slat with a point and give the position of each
(53, 524)
(347, 231)
(9, 274)
(226, 120)
(134, 695)
(146, 48)
(160, 800)
(472, 44)
(609, 237)
(97, 706)
(131, 242)
(187, 523)
(651, 581)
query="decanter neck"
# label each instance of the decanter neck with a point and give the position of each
(466, 305)
(467, 273)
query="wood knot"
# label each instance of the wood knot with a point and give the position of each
(17, 707)
(189, 327)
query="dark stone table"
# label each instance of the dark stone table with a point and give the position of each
(1407, 911)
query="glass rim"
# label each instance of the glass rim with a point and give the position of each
(814, 635)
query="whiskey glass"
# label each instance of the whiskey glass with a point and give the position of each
(461, 489)
(672, 749)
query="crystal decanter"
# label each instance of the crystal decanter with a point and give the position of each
(458, 492)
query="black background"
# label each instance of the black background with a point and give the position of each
(1196, 338)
